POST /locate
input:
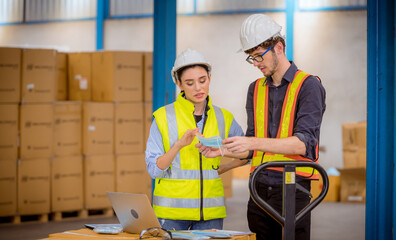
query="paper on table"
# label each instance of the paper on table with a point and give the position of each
(186, 235)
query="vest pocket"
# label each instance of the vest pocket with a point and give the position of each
(177, 188)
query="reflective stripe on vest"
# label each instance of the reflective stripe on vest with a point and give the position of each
(177, 193)
(260, 104)
(189, 203)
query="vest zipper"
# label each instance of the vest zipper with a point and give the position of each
(200, 163)
(201, 176)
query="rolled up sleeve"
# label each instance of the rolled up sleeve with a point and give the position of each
(310, 108)
(154, 150)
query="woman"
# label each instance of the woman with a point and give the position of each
(188, 191)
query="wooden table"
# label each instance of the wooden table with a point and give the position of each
(86, 233)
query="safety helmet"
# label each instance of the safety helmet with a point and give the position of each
(256, 29)
(186, 58)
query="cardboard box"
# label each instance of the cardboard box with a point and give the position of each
(242, 172)
(8, 188)
(333, 194)
(354, 135)
(353, 185)
(67, 183)
(99, 178)
(38, 75)
(148, 77)
(117, 76)
(36, 131)
(131, 174)
(354, 158)
(10, 72)
(129, 128)
(98, 128)
(362, 157)
(67, 128)
(148, 118)
(361, 134)
(61, 76)
(80, 76)
(227, 179)
(9, 120)
(34, 186)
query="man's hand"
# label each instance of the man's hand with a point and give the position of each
(238, 144)
(221, 169)
(208, 152)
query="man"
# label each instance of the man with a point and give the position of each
(285, 110)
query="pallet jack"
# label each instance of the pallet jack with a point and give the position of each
(289, 218)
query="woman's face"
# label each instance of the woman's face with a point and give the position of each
(195, 84)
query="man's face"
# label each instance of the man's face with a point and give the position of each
(270, 61)
(195, 84)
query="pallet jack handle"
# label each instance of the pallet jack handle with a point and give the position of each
(289, 219)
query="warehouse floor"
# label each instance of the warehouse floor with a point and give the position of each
(329, 220)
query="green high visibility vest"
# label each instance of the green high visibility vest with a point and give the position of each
(190, 189)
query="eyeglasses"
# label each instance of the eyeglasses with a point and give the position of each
(155, 232)
(258, 58)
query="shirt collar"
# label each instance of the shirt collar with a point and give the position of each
(289, 74)
(291, 71)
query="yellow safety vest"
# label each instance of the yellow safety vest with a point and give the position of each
(260, 104)
(190, 189)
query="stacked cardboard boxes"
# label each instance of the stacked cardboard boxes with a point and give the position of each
(74, 125)
(147, 104)
(117, 80)
(353, 185)
(349, 184)
(10, 85)
(354, 144)
(353, 181)
(9, 118)
(148, 92)
(66, 167)
(98, 149)
(39, 71)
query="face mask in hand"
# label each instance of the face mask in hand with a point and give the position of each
(211, 141)
(215, 142)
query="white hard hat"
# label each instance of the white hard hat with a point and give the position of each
(256, 29)
(186, 58)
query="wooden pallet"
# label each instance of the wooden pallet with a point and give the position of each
(17, 219)
(66, 215)
(103, 212)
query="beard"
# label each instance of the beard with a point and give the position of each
(274, 66)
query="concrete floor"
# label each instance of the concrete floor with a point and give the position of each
(329, 220)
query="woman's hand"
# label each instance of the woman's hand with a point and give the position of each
(209, 152)
(188, 137)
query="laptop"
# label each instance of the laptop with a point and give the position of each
(133, 211)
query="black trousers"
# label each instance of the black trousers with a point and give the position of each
(264, 225)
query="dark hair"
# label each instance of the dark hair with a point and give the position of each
(181, 70)
(267, 44)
